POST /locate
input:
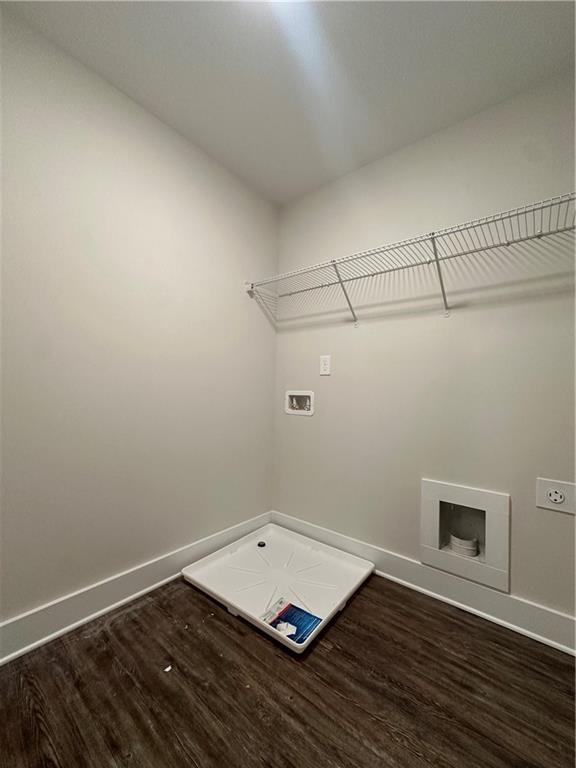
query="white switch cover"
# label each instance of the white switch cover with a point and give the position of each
(325, 365)
(555, 494)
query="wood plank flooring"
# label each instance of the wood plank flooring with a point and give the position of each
(398, 679)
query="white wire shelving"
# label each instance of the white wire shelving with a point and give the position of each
(540, 221)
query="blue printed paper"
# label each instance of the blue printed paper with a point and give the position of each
(291, 621)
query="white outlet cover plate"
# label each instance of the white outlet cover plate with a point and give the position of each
(545, 484)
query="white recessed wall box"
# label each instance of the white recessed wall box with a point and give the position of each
(454, 515)
(298, 402)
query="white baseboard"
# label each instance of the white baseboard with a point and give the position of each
(536, 621)
(27, 631)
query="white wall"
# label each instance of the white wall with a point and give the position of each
(483, 398)
(132, 360)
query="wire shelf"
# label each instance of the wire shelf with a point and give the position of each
(339, 282)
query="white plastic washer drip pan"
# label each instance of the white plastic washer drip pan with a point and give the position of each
(271, 564)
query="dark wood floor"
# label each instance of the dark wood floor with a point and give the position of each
(398, 679)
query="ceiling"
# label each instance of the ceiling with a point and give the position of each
(292, 95)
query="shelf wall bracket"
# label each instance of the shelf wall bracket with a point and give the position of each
(439, 269)
(345, 292)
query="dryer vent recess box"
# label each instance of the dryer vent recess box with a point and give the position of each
(299, 402)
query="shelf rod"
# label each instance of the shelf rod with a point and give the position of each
(345, 292)
(354, 279)
(439, 268)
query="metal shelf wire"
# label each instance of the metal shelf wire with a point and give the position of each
(343, 276)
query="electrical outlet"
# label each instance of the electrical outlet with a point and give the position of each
(555, 494)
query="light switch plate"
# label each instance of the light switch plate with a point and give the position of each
(555, 494)
(325, 365)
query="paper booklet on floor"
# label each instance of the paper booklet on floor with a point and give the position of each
(291, 620)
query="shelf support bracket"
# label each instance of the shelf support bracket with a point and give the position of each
(439, 269)
(345, 292)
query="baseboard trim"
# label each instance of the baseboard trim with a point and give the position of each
(29, 630)
(545, 625)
